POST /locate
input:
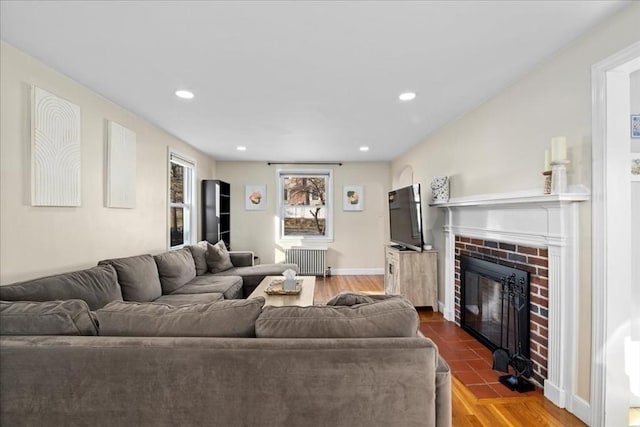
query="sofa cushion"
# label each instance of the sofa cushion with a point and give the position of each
(218, 258)
(230, 286)
(394, 317)
(199, 253)
(97, 286)
(188, 299)
(229, 318)
(69, 317)
(351, 298)
(138, 277)
(175, 268)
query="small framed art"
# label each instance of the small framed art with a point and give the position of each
(255, 197)
(352, 198)
(635, 126)
(635, 167)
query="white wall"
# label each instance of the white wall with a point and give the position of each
(37, 241)
(359, 236)
(499, 146)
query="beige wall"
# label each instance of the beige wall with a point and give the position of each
(358, 236)
(499, 146)
(37, 241)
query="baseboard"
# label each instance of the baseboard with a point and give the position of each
(555, 394)
(440, 307)
(581, 409)
(357, 271)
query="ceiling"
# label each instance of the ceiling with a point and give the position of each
(298, 81)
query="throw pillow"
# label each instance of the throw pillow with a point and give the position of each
(227, 318)
(350, 298)
(70, 317)
(393, 317)
(218, 258)
(199, 252)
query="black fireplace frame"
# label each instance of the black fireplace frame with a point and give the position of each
(515, 280)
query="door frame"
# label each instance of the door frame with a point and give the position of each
(611, 221)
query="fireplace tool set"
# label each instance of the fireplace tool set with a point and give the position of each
(514, 299)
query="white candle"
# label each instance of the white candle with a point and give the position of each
(558, 148)
(547, 161)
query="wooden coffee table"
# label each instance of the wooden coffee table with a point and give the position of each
(304, 298)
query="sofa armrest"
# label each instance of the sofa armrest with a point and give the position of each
(443, 394)
(241, 258)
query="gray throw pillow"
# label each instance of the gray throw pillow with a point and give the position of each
(350, 298)
(175, 268)
(70, 317)
(218, 258)
(393, 317)
(227, 318)
(199, 253)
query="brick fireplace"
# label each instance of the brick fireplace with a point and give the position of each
(539, 234)
(527, 258)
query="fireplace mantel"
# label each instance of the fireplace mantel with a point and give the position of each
(514, 199)
(532, 219)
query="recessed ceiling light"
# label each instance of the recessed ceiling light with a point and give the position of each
(364, 148)
(241, 148)
(407, 96)
(184, 94)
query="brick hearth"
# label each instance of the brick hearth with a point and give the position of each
(533, 260)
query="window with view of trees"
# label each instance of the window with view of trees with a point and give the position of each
(181, 201)
(305, 208)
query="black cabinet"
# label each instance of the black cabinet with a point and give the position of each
(216, 211)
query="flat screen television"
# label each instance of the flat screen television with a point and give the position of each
(405, 217)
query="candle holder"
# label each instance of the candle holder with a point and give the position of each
(559, 176)
(547, 182)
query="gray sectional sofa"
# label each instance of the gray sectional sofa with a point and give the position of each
(78, 349)
(176, 277)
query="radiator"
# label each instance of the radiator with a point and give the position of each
(312, 260)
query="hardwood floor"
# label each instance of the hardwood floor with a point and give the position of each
(522, 411)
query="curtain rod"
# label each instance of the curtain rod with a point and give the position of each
(305, 163)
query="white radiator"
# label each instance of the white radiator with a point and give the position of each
(311, 260)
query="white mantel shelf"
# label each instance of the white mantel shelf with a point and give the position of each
(533, 219)
(506, 199)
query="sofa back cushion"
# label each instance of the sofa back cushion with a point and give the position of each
(175, 269)
(227, 318)
(218, 258)
(393, 317)
(70, 317)
(199, 253)
(138, 277)
(97, 286)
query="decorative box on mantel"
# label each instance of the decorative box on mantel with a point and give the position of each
(534, 220)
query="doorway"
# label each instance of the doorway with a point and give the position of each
(612, 289)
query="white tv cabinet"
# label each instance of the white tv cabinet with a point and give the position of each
(413, 275)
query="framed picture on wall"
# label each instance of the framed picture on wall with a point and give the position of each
(255, 197)
(352, 198)
(635, 166)
(635, 126)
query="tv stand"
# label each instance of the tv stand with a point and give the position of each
(413, 275)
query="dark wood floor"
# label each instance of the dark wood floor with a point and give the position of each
(530, 410)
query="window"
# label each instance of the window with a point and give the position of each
(304, 207)
(181, 201)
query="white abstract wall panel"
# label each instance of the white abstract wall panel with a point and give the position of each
(121, 167)
(55, 151)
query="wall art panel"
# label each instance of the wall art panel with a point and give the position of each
(55, 151)
(121, 167)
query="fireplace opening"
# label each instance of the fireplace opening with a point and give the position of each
(494, 304)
